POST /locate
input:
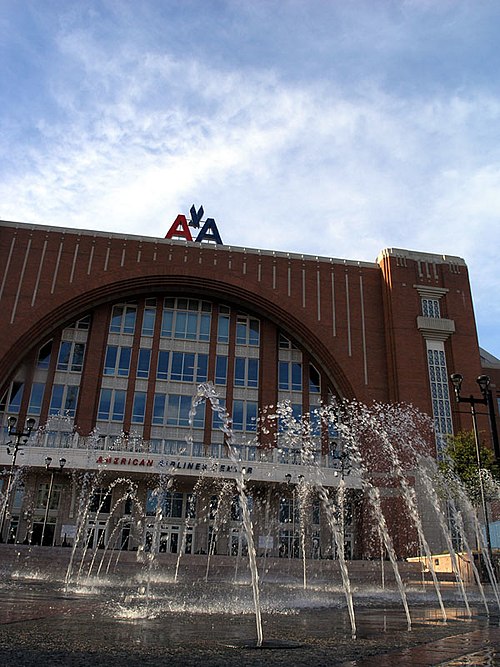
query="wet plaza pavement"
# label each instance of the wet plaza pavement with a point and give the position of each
(41, 623)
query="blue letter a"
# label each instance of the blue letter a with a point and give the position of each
(209, 232)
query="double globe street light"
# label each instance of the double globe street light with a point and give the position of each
(20, 438)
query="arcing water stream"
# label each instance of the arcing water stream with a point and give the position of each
(381, 446)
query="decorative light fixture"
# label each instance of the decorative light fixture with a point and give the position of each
(20, 439)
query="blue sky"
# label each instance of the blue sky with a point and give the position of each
(336, 127)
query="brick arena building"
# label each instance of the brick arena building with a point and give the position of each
(106, 336)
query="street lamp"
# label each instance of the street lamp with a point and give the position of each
(48, 461)
(20, 439)
(344, 459)
(483, 382)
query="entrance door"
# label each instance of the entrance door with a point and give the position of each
(238, 545)
(125, 537)
(96, 534)
(169, 539)
(48, 535)
(289, 546)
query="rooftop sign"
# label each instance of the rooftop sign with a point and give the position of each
(207, 234)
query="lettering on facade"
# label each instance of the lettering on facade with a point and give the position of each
(122, 461)
(212, 466)
(207, 234)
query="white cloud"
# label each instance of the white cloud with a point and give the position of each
(313, 167)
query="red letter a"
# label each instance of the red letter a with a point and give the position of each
(180, 229)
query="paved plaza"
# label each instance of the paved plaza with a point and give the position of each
(44, 625)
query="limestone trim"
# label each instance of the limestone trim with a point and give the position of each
(435, 328)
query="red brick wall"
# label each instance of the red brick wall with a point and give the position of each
(358, 320)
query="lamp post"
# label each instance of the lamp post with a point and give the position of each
(344, 459)
(289, 549)
(483, 382)
(48, 461)
(20, 439)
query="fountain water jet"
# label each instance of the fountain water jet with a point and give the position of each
(311, 482)
(207, 391)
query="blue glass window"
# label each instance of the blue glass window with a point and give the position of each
(241, 331)
(314, 380)
(205, 321)
(110, 360)
(148, 321)
(104, 404)
(251, 416)
(253, 373)
(223, 328)
(283, 381)
(186, 325)
(117, 361)
(166, 323)
(56, 399)
(44, 355)
(239, 371)
(246, 372)
(178, 412)
(221, 370)
(16, 396)
(63, 400)
(111, 404)
(36, 398)
(247, 330)
(202, 369)
(238, 418)
(287, 369)
(71, 400)
(123, 319)
(184, 319)
(77, 360)
(253, 334)
(296, 376)
(64, 356)
(182, 366)
(119, 406)
(124, 361)
(217, 422)
(116, 319)
(162, 371)
(129, 320)
(143, 362)
(71, 356)
(159, 409)
(139, 407)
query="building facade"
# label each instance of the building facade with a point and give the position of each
(107, 338)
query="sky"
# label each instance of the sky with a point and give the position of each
(326, 127)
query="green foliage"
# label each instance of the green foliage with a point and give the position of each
(460, 461)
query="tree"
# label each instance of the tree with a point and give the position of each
(460, 461)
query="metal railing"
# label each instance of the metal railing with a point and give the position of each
(182, 448)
